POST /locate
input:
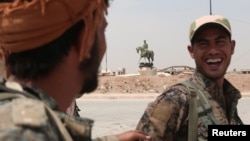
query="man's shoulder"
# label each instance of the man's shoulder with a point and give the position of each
(178, 92)
(20, 115)
(25, 118)
(178, 88)
(22, 112)
(19, 109)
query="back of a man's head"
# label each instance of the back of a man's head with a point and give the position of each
(37, 34)
(38, 62)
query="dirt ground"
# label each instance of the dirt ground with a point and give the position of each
(157, 83)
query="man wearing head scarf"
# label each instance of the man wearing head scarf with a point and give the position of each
(52, 49)
(184, 111)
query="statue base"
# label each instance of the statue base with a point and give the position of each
(147, 71)
(148, 65)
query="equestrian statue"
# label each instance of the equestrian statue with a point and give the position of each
(145, 54)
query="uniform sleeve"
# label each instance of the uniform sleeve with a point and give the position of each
(163, 117)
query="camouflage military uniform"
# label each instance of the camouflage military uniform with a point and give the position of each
(29, 114)
(167, 117)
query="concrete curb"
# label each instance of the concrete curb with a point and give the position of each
(120, 96)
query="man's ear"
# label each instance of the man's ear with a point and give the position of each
(233, 43)
(191, 51)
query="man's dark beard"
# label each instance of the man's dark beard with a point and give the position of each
(90, 68)
(89, 86)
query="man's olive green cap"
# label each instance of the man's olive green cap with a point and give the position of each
(215, 19)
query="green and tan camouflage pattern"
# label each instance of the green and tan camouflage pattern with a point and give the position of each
(217, 19)
(166, 118)
(25, 118)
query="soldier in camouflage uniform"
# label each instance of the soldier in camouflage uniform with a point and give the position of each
(52, 49)
(169, 116)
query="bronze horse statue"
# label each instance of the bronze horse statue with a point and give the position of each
(146, 54)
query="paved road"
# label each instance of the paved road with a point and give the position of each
(117, 115)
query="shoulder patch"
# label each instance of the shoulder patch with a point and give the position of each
(28, 112)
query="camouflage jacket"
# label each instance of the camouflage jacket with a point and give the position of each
(166, 118)
(28, 114)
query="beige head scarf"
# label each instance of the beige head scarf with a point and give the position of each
(28, 24)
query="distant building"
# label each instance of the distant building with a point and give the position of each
(121, 71)
(106, 72)
(245, 71)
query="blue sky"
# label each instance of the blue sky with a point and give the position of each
(165, 26)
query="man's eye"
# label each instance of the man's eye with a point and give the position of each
(221, 41)
(202, 43)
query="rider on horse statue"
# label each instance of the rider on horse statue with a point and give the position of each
(148, 55)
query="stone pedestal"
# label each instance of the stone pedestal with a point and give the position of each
(147, 71)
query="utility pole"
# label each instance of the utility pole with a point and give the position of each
(210, 7)
(106, 61)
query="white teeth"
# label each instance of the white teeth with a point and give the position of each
(214, 60)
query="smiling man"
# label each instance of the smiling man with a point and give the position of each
(184, 111)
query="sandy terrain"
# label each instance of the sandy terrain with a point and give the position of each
(156, 84)
(136, 84)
